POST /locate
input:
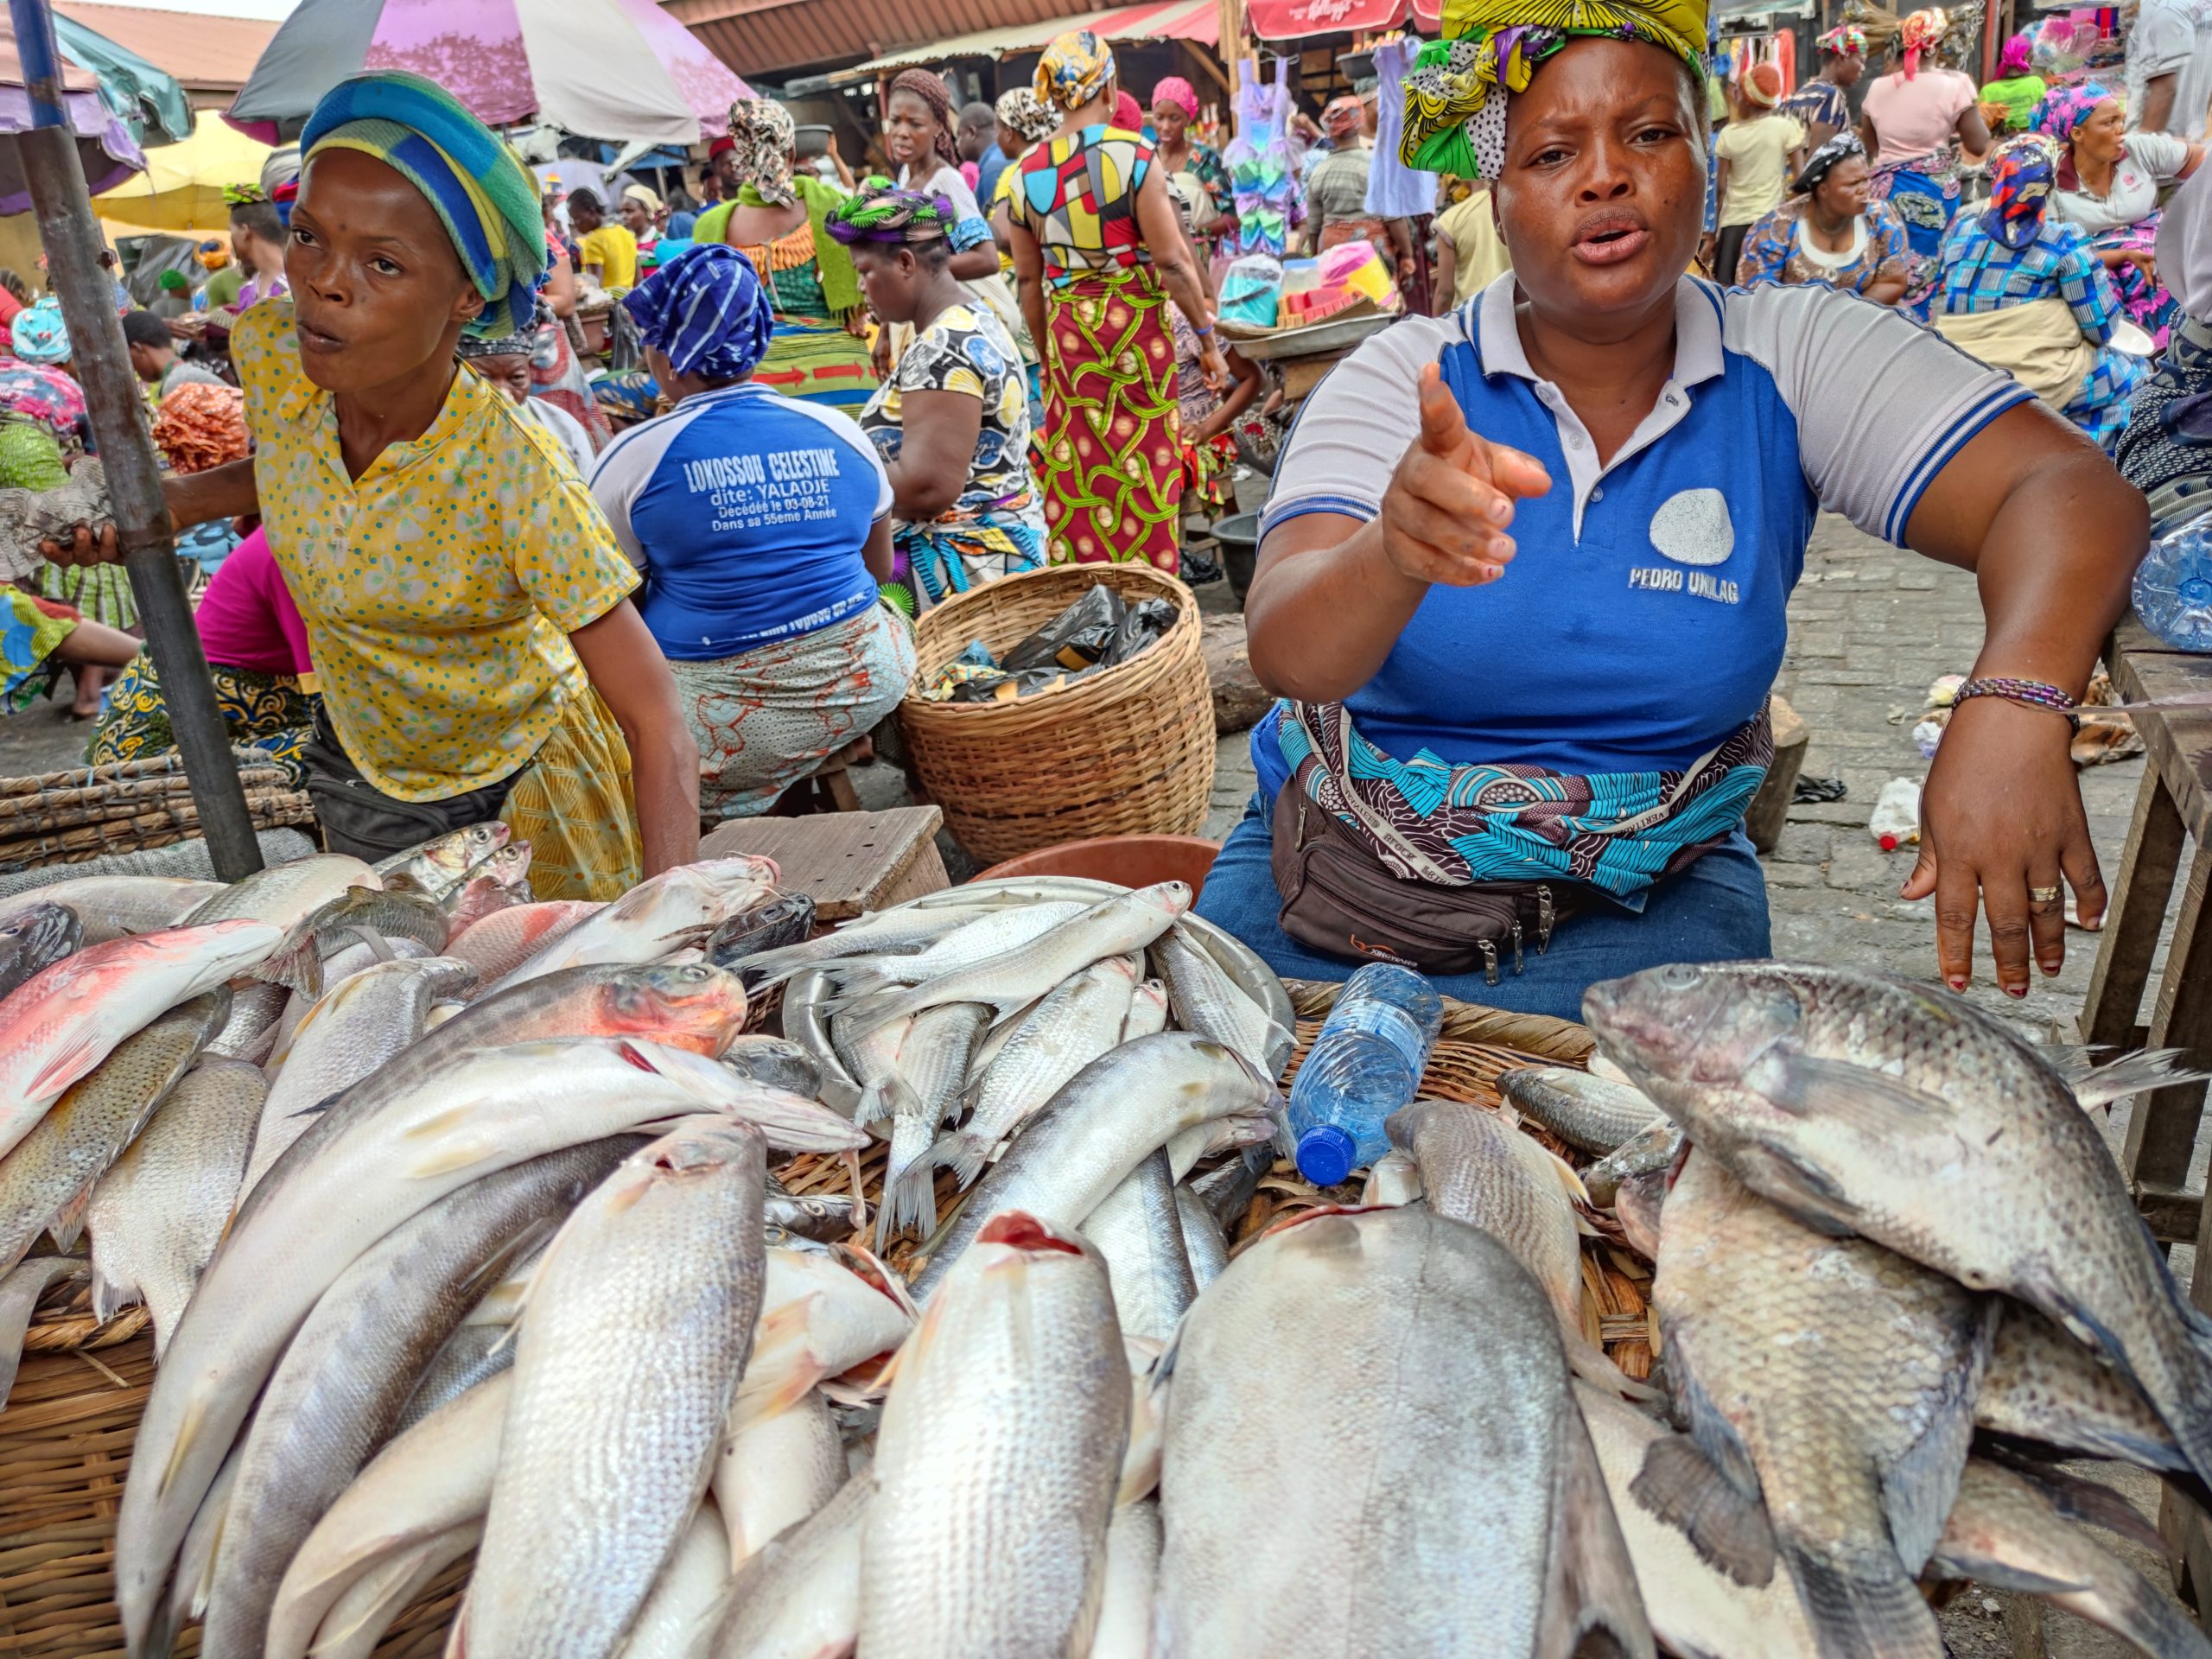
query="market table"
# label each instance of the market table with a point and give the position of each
(2174, 807)
(846, 862)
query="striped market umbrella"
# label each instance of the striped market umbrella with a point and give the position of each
(620, 70)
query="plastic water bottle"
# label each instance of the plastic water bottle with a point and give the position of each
(2173, 585)
(1365, 1065)
(1895, 820)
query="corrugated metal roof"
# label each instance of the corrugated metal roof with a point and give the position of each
(769, 37)
(206, 53)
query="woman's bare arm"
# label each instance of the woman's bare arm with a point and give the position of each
(632, 677)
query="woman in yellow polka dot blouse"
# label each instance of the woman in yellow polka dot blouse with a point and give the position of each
(466, 601)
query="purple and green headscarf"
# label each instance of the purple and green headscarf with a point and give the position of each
(2064, 109)
(707, 311)
(889, 217)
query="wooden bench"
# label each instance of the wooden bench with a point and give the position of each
(2173, 806)
(848, 862)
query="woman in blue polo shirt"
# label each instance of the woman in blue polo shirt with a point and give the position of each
(763, 527)
(1530, 650)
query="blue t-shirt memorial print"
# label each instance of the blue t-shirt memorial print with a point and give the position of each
(748, 513)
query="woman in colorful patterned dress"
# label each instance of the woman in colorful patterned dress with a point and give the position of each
(1828, 231)
(465, 601)
(1099, 254)
(1915, 118)
(2109, 184)
(2025, 293)
(775, 220)
(952, 422)
(1174, 108)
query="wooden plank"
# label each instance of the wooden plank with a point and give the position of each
(2180, 741)
(846, 862)
(2140, 892)
(2162, 1132)
(2172, 1214)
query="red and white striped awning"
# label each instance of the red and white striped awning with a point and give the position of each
(1290, 20)
(1196, 21)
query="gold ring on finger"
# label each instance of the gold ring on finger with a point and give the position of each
(2043, 895)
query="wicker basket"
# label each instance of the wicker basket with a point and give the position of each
(65, 818)
(1125, 751)
(66, 1434)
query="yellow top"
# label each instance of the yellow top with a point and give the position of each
(439, 589)
(614, 250)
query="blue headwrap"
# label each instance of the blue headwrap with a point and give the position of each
(707, 309)
(487, 198)
(2022, 171)
(39, 334)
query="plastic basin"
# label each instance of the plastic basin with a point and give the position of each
(1130, 861)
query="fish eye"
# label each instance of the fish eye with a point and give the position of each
(697, 974)
(1680, 976)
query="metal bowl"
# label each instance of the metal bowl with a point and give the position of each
(805, 1024)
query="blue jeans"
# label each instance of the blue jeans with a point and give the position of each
(1715, 910)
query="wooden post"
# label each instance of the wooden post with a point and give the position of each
(55, 175)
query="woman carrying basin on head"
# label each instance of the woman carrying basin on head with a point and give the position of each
(1524, 573)
(464, 597)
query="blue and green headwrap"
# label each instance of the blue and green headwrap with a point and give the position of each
(487, 198)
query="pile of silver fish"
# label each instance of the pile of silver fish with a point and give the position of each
(466, 1251)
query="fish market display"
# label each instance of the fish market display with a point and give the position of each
(946, 1318)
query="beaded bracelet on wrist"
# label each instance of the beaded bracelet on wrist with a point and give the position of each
(2037, 694)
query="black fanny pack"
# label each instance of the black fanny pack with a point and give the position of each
(358, 818)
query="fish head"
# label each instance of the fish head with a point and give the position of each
(510, 864)
(689, 1006)
(1173, 898)
(44, 931)
(1690, 1023)
(468, 847)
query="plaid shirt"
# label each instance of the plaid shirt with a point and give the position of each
(1981, 274)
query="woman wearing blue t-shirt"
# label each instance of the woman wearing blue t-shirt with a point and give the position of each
(763, 526)
(1529, 651)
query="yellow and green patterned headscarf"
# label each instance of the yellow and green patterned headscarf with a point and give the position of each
(1455, 97)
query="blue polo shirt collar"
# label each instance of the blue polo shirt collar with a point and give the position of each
(1698, 358)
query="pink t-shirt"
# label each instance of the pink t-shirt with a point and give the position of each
(247, 619)
(1915, 117)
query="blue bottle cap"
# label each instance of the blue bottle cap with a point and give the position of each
(1326, 1155)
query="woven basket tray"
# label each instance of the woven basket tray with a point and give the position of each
(1124, 751)
(65, 818)
(67, 1430)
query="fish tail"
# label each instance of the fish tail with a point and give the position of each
(297, 964)
(2125, 1602)
(963, 1153)
(1880, 1615)
(909, 1201)
(110, 1298)
(1590, 1363)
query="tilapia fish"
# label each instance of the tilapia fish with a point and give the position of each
(116, 907)
(1207, 1000)
(1649, 1150)
(784, 919)
(62, 1022)
(2043, 1386)
(1481, 1529)
(1098, 1128)
(1591, 1113)
(366, 1166)
(1007, 1420)
(442, 862)
(157, 1215)
(2011, 1531)
(1079, 1020)
(1832, 1377)
(34, 938)
(666, 912)
(336, 1395)
(1867, 1104)
(362, 1022)
(1126, 922)
(53, 1166)
(640, 1323)
(1695, 1607)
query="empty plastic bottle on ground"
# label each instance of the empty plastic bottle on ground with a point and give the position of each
(2173, 587)
(1365, 1065)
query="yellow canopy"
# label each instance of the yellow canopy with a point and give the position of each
(180, 192)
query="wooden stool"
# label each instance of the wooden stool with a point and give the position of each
(826, 789)
(846, 862)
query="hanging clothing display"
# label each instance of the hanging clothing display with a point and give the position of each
(1262, 162)
(1395, 190)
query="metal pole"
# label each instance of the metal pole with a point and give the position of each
(56, 176)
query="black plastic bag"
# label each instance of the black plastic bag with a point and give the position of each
(1078, 638)
(1147, 621)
